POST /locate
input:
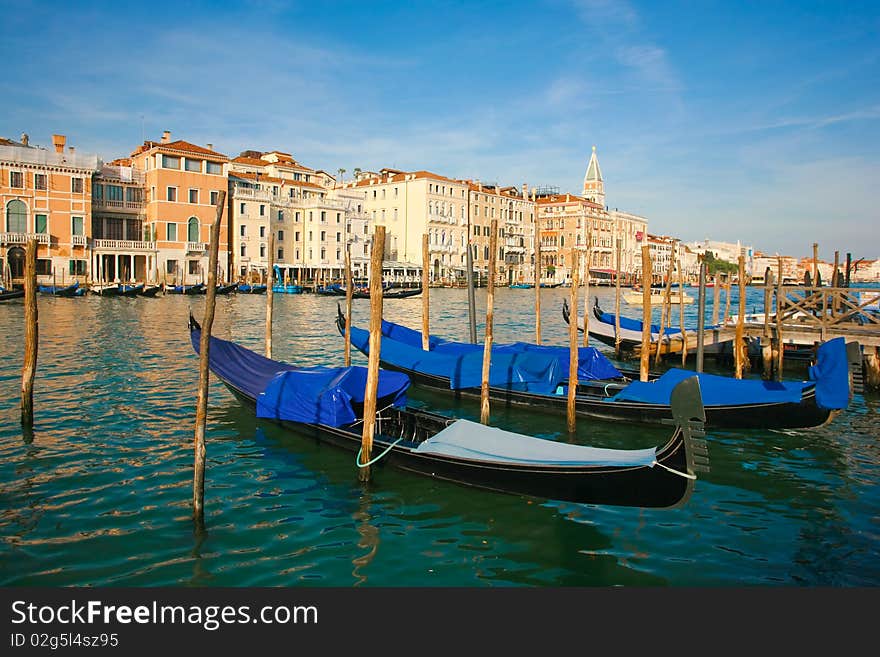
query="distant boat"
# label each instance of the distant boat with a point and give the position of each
(289, 288)
(221, 289)
(6, 295)
(247, 288)
(185, 289)
(521, 286)
(108, 290)
(149, 290)
(73, 290)
(130, 290)
(636, 298)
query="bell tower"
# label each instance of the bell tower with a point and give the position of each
(594, 186)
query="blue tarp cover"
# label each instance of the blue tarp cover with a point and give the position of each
(592, 364)
(634, 324)
(523, 371)
(286, 392)
(831, 374)
(716, 390)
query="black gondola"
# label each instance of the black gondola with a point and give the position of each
(386, 294)
(149, 290)
(470, 453)
(221, 289)
(7, 295)
(247, 288)
(73, 290)
(729, 402)
(185, 289)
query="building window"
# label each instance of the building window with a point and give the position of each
(115, 193)
(39, 181)
(296, 236)
(192, 230)
(193, 165)
(338, 237)
(243, 250)
(77, 267)
(243, 230)
(262, 250)
(76, 185)
(395, 192)
(171, 194)
(41, 223)
(16, 179)
(134, 195)
(281, 215)
(323, 253)
(16, 217)
(171, 232)
(193, 196)
(323, 216)
(338, 217)
(296, 216)
(281, 254)
(194, 267)
(215, 196)
(262, 231)
(214, 167)
(280, 235)
(323, 235)
(44, 267)
(97, 192)
(395, 214)
(241, 209)
(169, 162)
(262, 210)
(170, 266)
(77, 226)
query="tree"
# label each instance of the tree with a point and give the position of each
(341, 174)
(714, 265)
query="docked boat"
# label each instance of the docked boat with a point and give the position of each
(7, 295)
(185, 289)
(247, 288)
(73, 290)
(149, 290)
(529, 376)
(636, 298)
(326, 404)
(522, 286)
(389, 293)
(221, 289)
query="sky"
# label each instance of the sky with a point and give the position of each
(749, 121)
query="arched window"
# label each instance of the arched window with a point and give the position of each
(192, 230)
(16, 217)
(243, 250)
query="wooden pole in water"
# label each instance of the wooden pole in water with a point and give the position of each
(538, 268)
(766, 349)
(490, 318)
(589, 260)
(815, 262)
(573, 345)
(616, 306)
(779, 304)
(469, 263)
(727, 297)
(375, 345)
(740, 320)
(716, 299)
(646, 313)
(835, 283)
(270, 292)
(426, 263)
(204, 348)
(31, 334)
(348, 298)
(665, 311)
(684, 337)
(701, 316)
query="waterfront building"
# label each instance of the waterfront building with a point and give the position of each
(182, 182)
(515, 214)
(119, 248)
(313, 220)
(45, 194)
(791, 271)
(569, 223)
(727, 251)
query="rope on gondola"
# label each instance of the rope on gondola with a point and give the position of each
(673, 471)
(372, 461)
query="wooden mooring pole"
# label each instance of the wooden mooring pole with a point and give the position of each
(426, 264)
(270, 292)
(573, 345)
(538, 275)
(716, 299)
(738, 347)
(645, 360)
(777, 373)
(204, 372)
(701, 316)
(490, 318)
(31, 334)
(684, 337)
(766, 348)
(665, 311)
(616, 305)
(588, 259)
(370, 400)
(348, 298)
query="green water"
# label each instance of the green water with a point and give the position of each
(100, 493)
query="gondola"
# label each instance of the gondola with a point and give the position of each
(130, 290)
(7, 295)
(149, 290)
(247, 288)
(185, 289)
(538, 380)
(73, 290)
(386, 294)
(521, 286)
(220, 289)
(326, 404)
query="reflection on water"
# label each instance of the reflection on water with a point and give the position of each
(100, 492)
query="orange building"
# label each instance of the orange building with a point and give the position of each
(45, 194)
(183, 182)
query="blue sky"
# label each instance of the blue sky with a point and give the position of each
(756, 121)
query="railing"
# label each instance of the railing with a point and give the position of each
(124, 245)
(829, 307)
(124, 205)
(195, 247)
(24, 238)
(79, 240)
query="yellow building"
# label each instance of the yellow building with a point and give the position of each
(183, 182)
(45, 194)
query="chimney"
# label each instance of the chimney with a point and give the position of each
(166, 136)
(525, 191)
(210, 147)
(58, 141)
(24, 139)
(71, 149)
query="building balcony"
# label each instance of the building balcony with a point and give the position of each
(123, 245)
(196, 247)
(99, 204)
(24, 238)
(79, 240)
